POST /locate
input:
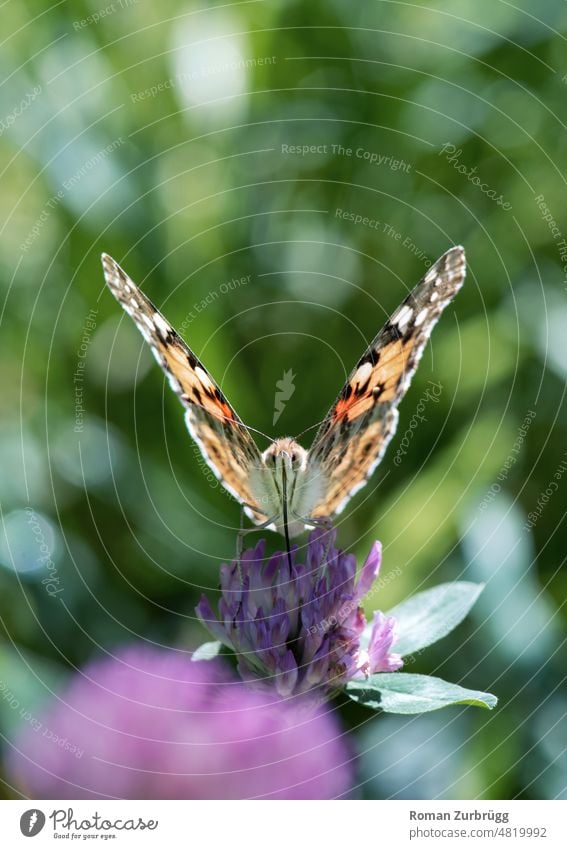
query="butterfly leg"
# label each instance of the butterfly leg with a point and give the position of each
(325, 523)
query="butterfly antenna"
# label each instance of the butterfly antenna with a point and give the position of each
(256, 430)
(240, 423)
(307, 429)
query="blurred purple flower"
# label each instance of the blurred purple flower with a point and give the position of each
(151, 724)
(301, 630)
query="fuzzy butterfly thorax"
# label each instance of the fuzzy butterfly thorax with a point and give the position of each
(296, 491)
(287, 451)
(287, 487)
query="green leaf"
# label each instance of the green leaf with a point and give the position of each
(208, 651)
(400, 692)
(428, 616)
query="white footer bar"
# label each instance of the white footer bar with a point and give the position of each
(283, 825)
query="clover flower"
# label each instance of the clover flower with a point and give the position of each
(299, 625)
(149, 723)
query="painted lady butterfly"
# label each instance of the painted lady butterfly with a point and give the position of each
(286, 487)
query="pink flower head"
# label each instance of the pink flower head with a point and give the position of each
(152, 724)
(301, 630)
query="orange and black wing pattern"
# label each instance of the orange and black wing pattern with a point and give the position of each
(353, 437)
(221, 436)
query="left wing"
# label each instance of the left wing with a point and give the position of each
(353, 437)
(223, 439)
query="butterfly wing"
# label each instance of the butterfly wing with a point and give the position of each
(225, 443)
(352, 439)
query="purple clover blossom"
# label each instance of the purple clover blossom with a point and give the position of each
(149, 723)
(301, 630)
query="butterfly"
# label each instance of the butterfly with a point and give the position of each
(287, 488)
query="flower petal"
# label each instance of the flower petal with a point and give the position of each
(207, 616)
(286, 677)
(369, 571)
(382, 637)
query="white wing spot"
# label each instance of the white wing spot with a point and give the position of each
(161, 324)
(420, 317)
(402, 318)
(362, 374)
(157, 356)
(173, 382)
(203, 377)
(433, 297)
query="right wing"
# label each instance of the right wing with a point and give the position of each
(355, 434)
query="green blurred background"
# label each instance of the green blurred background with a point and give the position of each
(163, 134)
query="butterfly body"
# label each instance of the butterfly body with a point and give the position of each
(286, 487)
(297, 492)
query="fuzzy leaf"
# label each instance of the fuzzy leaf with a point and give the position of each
(430, 615)
(400, 692)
